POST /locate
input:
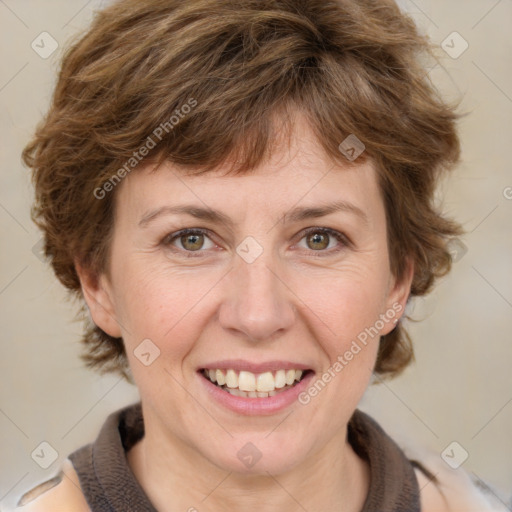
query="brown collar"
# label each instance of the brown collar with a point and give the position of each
(109, 485)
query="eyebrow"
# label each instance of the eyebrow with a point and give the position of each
(296, 215)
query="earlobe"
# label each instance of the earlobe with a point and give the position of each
(98, 297)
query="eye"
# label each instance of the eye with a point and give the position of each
(189, 240)
(320, 239)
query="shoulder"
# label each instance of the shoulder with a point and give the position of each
(442, 489)
(450, 490)
(61, 493)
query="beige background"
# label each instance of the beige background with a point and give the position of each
(459, 389)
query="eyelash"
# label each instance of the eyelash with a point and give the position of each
(340, 237)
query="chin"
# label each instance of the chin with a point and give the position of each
(254, 455)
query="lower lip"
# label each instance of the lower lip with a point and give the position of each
(256, 406)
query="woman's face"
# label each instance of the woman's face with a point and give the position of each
(272, 279)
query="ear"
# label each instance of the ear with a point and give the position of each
(398, 294)
(98, 295)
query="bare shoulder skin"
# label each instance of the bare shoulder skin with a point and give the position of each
(60, 494)
(454, 491)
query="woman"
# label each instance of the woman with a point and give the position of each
(242, 195)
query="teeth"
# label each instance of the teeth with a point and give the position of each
(231, 379)
(290, 377)
(248, 384)
(266, 382)
(221, 378)
(280, 379)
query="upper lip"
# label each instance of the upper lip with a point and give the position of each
(250, 366)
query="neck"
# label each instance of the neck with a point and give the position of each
(176, 477)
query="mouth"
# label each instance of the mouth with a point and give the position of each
(254, 385)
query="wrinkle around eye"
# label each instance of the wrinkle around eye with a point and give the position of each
(170, 241)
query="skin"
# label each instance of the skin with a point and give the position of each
(298, 301)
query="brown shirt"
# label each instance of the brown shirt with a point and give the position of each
(109, 485)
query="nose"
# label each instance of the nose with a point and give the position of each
(258, 303)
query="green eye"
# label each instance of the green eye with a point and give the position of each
(190, 240)
(319, 239)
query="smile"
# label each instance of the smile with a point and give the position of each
(254, 385)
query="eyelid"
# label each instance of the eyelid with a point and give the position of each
(168, 239)
(339, 236)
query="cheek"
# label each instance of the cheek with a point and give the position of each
(345, 315)
(166, 308)
(344, 312)
(162, 304)
(347, 302)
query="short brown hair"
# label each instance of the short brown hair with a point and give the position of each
(352, 67)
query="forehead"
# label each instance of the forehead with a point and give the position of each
(298, 172)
